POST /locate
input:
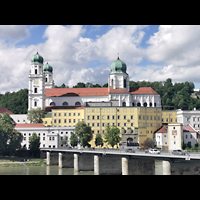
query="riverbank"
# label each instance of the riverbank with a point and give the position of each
(12, 161)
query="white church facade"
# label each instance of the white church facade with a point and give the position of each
(43, 94)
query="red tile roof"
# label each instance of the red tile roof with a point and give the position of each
(5, 110)
(49, 108)
(59, 92)
(76, 92)
(118, 90)
(29, 125)
(188, 129)
(144, 90)
(163, 129)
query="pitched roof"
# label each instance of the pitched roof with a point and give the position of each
(188, 129)
(49, 108)
(29, 125)
(144, 90)
(5, 110)
(59, 92)
(163, 129)
(118, 90)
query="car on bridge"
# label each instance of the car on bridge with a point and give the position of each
(178, 152)
(130, 150)
(154, 151)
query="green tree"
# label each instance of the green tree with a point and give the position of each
(73, 139)
(64, 141)
(34, 141)
(99, 140)
(15, 141)
(79, 85)
(36, 115)
(10, 139)
(112, 135)
(84, 133)
(16, 102)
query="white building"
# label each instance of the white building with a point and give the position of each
(169, 137)
(20, 118)
(42, 94)
(161, 138)
(173, 136)
(190, 136)
(50, 137)
(191, 117)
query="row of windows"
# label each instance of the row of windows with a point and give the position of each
(167, 120)
(67, 120)
(65, 104)
(124, 117)
(112, 124)
(65, 114)
(109, 117)
(139, 104)
(29, 134)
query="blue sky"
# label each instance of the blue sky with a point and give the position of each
(84, 53)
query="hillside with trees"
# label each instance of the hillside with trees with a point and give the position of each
(173, 96)
(16, 102)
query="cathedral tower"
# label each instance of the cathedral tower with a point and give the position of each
(118, 78)
(48, 73)
(36, 93)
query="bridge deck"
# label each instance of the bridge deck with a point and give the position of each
(137, 154)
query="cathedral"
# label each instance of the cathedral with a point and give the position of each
(43, 94)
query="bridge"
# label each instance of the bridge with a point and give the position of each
(117, 161)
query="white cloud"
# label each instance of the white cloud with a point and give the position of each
(175, 44)
(175, 51)
(14, 33)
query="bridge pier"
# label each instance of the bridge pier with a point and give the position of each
(124, 166)
(83, 162)
(134, 166)
(166, 167)
(104, 165)
(65, 160)
(52, 158)
(185, 167)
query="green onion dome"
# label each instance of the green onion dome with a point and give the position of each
(37, 58)
(118, 67)
(47, 68)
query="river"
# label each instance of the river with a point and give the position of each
(55, 170)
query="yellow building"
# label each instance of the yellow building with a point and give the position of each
(135, 123)
(47, 120)
(65, 117)
(169, 116)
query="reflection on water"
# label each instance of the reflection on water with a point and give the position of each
(55, 170)
(158, 168)
(41, 170)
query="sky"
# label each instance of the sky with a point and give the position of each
(84, 53)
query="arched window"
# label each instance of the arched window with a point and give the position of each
(124, 104)
(112, 83)
(35, 71)
(77, 103)
(154, 104)
(52, 104)
(124, 83)
(138, 104)
(35, 103)
(145, 104)
(133, 104)
(65, 103)
(150, 104)
(35, 90)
